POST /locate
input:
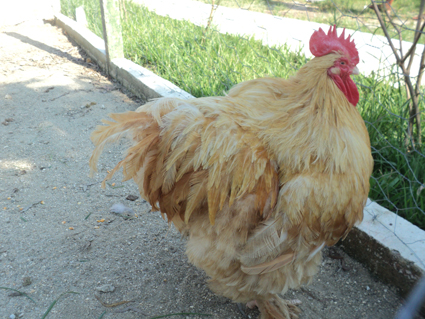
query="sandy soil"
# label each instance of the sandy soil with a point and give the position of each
(57, 234)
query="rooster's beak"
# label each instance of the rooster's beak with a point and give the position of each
(355, 71)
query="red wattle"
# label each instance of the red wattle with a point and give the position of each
(348, 87)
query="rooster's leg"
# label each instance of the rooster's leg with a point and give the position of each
(278, 308)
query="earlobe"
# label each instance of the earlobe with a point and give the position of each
(335, 70)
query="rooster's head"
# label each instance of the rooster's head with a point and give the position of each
(323, 44)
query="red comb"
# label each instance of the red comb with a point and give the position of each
(322, 44)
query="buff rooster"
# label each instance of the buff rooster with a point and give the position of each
(260, 180)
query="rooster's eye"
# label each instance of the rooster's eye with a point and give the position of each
(342, 63)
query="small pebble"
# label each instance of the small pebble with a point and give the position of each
(132, 197)
(121, 209)
(12, 316)
(106, 288)
(26, 281)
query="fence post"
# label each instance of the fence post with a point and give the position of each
(80, 16)
(112, 32)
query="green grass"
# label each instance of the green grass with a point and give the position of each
(230, 59)
(399, 170)
(206, 63)
(55, 301)
(92, 10)
(46, 313)
(19, 292)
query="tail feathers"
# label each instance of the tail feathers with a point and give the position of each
(198, 192)
(139, 126)
(185, 162)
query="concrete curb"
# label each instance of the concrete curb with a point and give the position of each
(137, 79)
(390, 246)
(91, 43)
(396, 257)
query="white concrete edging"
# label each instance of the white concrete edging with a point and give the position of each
(139, 80)
(392, 247)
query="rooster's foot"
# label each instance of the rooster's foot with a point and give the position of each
(278, 308)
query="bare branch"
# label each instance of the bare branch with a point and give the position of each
(421, 72)
(412, 93)
(384, 28)
(415, 41)
(417, 35)
(398, 31)
(417, 92)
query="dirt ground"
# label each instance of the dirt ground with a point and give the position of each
(57, 234)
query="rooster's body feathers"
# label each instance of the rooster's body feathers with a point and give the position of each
(260, 179)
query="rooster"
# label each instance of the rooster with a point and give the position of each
(260, 180)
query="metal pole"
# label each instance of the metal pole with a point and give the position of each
(414, 301)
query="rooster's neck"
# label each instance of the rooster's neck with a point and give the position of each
(314, 125)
